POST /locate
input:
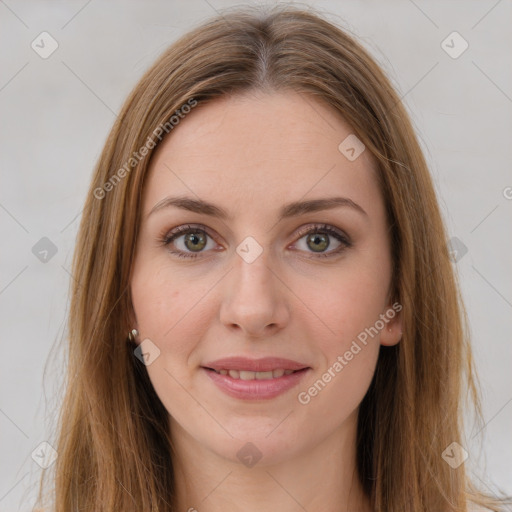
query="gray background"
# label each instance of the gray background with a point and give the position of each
(56, 114)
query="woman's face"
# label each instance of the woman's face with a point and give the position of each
(249, 278)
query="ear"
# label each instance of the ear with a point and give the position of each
(132, 320)
(391, 334)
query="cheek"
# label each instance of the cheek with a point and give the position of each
(172, 309)
(155, 302)
(333, 396)
(346, 304)
(350, 355)
(164, 308)
(350, 305)
(158, 301)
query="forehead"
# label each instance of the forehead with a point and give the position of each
(260, 150)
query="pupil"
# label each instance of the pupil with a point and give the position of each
(316, 239)
(195, 239)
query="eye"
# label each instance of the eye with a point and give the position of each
(317, 240)
(194, 239)
(190, 241)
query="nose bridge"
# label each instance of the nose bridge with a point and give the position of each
(253, 265)
(253, 296)
(252, 273)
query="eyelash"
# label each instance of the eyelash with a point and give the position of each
(197, 228)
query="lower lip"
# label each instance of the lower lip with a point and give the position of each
(255, 389)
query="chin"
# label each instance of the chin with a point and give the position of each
(257, 441)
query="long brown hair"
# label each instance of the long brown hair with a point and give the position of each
(114, 449)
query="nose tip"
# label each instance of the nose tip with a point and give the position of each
(253, 299)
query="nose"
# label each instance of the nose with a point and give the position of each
(255, 299)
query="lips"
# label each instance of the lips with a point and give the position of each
(255, 379)
(267, 364)
(247, 375)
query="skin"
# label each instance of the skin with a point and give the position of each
(251, 154)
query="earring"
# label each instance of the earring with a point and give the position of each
(133, 334)
(389, 330)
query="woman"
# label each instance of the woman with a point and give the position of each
(264, 312)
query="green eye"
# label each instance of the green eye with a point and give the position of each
(195, 240)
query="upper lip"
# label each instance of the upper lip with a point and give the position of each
(255, 365)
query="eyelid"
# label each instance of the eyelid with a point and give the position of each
(310, 228)
(184, 229)
(323, 228)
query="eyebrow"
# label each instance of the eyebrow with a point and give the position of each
(290, 210)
